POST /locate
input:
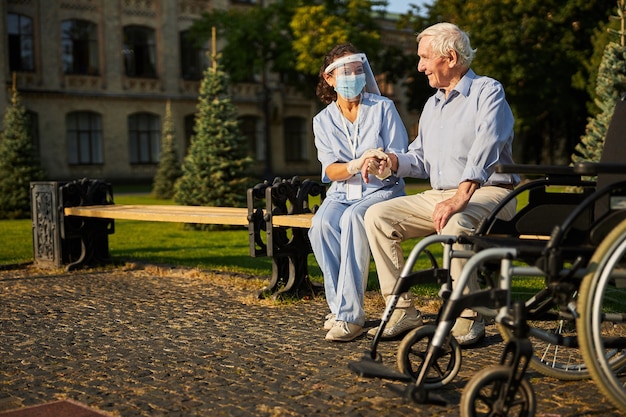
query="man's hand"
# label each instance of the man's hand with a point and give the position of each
(380, 167)
(361, 163)
(447, 208)
(374, 162)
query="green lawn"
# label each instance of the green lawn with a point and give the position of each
(167, 243)
(171, 243)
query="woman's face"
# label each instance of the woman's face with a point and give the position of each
(350, 68)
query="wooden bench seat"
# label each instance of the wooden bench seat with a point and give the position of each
(184, 214)
(293, 220)
(165, 213)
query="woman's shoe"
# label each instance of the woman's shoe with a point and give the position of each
(343, 331)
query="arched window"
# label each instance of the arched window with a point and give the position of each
(252, 128)
(193, 58)
(144, 138)
(84, 138)
(79, 42)
(295, 129)
(139, 52)
(21, 45)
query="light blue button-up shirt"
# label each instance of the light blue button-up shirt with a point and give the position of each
(462, 138)
(380, 126)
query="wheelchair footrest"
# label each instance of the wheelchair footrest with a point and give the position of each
(369, 368)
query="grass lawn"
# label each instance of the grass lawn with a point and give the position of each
(171, 243)
(167, 243)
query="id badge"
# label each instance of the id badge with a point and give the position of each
(353, 188)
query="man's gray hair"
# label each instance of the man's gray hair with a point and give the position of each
(447, 37)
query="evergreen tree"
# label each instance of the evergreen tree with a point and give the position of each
(610, 85)
(18, 163)
(169, 169)
(214, 170)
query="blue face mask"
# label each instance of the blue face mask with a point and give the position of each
(350, 86)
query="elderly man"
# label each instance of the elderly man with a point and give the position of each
(465, 130)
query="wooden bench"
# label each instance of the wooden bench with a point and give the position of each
(72, 221)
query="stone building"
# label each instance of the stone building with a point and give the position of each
(95, 76)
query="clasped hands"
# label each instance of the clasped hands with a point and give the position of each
(373, 161)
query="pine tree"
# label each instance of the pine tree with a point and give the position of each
(18, 163)
(169, 169)
(610, 85)
(214, 170)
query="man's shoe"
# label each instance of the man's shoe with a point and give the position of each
(343, 331)
(468, 331)
(330, 321)
(402, 320)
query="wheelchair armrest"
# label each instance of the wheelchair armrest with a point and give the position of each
(595, 168)
(537, 169)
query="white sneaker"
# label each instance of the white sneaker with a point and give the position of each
(402, 320)
(330, 321)
(468, 331)
(343, 331)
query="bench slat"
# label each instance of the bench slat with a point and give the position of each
(293, 220)
(183, 214)
(178, 214)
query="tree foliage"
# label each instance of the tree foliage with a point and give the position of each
(169, 169)
(18, 162)
(214, 170)
(538, 50)
(317, 28)
(610, 86)
(257, 38)
(289, 37)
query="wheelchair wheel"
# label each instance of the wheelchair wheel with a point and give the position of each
(485, 393)
(412, 353)
(549, 359)
(544, 318)
(602, 316)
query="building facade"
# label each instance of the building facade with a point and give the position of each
(95, 77)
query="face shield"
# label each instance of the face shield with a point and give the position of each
(352, 73)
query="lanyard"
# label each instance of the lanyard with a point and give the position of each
(352, 141)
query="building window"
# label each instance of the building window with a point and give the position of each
(144, 136)
(295, 139)
(139, 52)
(21, 45)
(193, 59)
(84, 138)
(252, 128)
(79, 42)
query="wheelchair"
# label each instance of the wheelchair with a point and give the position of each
(572, 328)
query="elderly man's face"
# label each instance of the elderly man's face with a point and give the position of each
(438, 69)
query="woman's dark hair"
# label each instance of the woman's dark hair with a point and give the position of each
(324, 91)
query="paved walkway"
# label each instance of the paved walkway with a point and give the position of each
(165, 342)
